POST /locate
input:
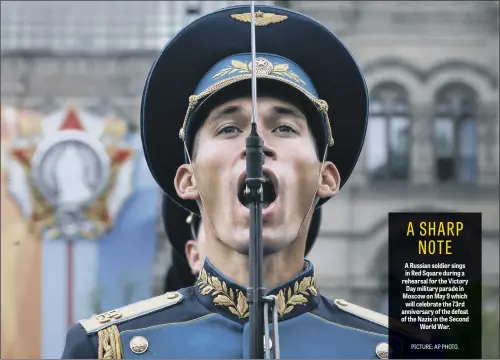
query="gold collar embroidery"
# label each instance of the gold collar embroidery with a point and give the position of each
(304, 289)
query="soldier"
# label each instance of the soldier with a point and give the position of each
(196, 114)
(188, 242)
(187, 237)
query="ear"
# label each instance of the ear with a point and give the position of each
(185, 183)
(330, 181)
(193, 257)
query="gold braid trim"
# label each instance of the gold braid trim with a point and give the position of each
(110, 346)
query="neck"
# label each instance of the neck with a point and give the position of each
(278, 267)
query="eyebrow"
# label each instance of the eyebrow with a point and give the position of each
(225, 111)
(238, 109)
(286, 110)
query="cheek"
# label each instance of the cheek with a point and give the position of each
(305, 167)
(208, 158)
(308, 175)
(210, 167)
(302, 179)
(308, 163)
(308, 171)
(206, 172)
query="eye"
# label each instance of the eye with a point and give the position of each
(229, 129)
(285, 128)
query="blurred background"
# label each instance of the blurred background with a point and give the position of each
(432, 69)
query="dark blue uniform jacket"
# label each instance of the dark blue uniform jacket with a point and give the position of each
(210, 320)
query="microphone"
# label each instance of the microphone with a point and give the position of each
(254, 193)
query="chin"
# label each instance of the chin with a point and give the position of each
(240, 241)
(267, 249)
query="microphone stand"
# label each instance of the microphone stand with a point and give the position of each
(254, 193)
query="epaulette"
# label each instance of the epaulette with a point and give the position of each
(382, 320)
(129, 312)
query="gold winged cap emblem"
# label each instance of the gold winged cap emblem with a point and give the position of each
(261, 18)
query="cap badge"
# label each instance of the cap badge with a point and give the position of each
(261, 18)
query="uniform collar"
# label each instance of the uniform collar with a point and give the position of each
(296, 296)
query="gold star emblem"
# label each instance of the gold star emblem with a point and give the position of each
(42, 215)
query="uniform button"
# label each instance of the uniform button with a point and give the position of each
(270, 343)
(382, 350)
(139, 344)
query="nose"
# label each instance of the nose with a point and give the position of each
(269, 152)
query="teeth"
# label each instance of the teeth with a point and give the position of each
(266, 178)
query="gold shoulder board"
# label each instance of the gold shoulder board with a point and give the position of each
(129, 312)
(364, 313)
(381, 319)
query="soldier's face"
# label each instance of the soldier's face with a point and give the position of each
(291, 167)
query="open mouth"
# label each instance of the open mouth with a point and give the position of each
(268, 189)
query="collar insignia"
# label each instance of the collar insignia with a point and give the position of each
(234, 300)
(294, 298)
